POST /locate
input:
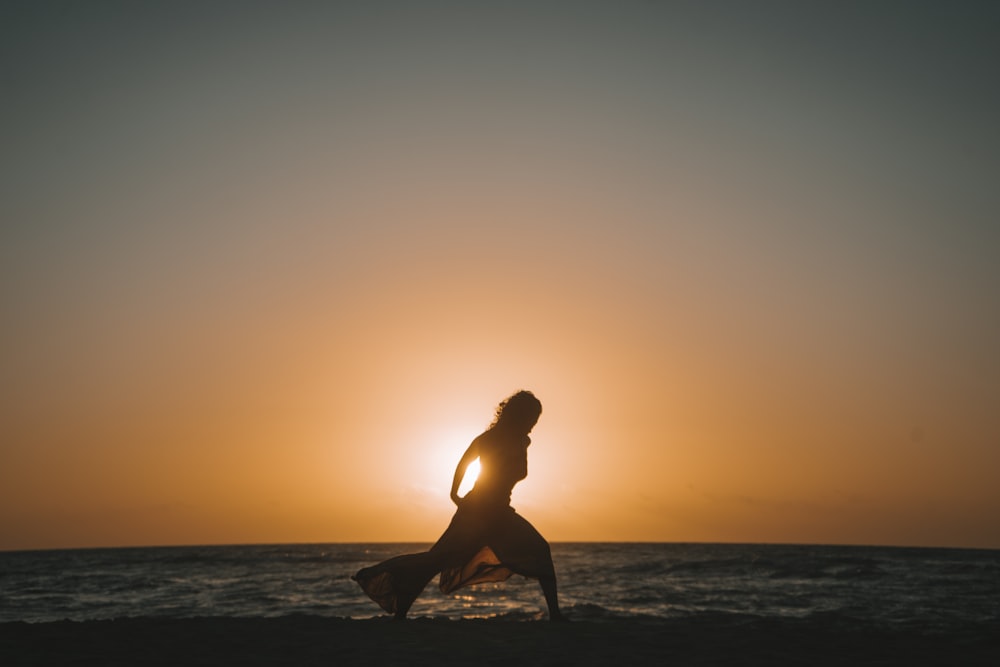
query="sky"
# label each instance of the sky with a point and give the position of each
(266, 269)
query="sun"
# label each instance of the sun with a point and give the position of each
(471, 474)
(432, 467)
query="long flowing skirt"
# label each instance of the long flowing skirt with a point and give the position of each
(481, 544)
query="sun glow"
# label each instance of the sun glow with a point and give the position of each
(471, 474)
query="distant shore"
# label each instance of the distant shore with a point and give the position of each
(313, 640)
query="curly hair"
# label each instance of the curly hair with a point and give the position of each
(517, 407)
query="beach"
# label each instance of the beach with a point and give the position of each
(314, 640)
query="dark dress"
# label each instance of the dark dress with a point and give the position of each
(486, 540)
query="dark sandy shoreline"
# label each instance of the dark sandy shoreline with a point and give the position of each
(312, 640)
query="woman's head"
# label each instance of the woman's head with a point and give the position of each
(518, 412)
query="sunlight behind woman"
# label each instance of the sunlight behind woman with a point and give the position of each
(471, 474)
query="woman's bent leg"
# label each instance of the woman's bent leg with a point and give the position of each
(548, 584)
(523, 549)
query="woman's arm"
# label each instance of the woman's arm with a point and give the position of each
(468, 457)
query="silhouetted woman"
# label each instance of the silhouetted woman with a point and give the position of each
(486, 540)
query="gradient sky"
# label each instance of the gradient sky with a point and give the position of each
(267, 268)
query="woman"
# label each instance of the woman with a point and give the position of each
(486, 540)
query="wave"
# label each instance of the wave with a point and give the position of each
(601, 582)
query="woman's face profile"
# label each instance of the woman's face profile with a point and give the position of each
(526, 422)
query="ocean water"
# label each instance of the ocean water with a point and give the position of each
(933, 590)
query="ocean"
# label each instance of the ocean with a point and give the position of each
(910, 589)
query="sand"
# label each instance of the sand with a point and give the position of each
(311, 640)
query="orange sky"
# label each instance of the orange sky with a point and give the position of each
(267, 286)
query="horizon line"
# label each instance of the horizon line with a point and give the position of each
(553, 542)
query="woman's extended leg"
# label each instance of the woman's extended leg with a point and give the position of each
(394, 584)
